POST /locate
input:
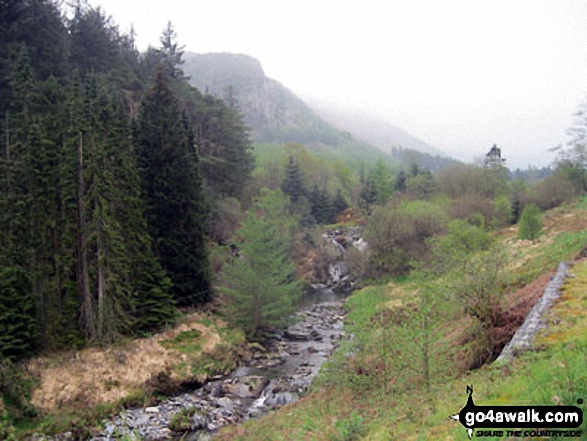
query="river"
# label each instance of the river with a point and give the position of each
(278, 373)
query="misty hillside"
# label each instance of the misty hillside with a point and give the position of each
(373, 129)
(273, 113)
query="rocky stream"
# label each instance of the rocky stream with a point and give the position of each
(277, 374)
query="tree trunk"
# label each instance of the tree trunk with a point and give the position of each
(100, 285)
(87, 307)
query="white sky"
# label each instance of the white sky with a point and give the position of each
(459, 74)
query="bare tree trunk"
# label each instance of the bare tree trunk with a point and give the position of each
(100, 285)
(8, 135)
(87, 304)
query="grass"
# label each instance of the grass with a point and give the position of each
(77, 390)
(553, 374)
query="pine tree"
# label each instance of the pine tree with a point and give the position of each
(171, 185)
(320, 206)
(368, 195)
(382, 183)
(400, 181)
(17, 312)
(93, 40)
(18, 318)
(223, 144)
(339, 204)
(171, 54)
(293, 183)
(260, 284)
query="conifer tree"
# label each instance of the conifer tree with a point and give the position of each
(339, 204)
(320, 206)
(172, 187)
(293, 183)
(171, 54)
(18, 318)
(368, 195)
(126, 275)
(260, 284)
(223, 144)
(400, 181)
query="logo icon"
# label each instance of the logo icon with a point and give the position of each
(517, 417)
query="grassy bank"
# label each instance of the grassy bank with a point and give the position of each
(375, 388)
(76, 390)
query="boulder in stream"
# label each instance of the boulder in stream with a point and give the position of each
(250, 386)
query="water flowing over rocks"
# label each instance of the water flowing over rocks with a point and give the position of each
(278, 373)
(335, 245)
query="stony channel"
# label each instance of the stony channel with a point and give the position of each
(278, 373)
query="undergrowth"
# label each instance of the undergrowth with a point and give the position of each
(402, 405)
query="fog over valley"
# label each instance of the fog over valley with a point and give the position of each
(458, 75)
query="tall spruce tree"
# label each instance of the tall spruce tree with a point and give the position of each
(339, 204)
(293, 185)
(18, 319)
(223, 144)
(122, 261)
(260, 284)
(172, 187)
(321, 206)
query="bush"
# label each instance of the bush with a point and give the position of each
(349, 429)
(182, 420)
(16, 387)
(457, 245)
(551, 192)
(530, 223)
(461, 180)
(397, 233)
(469, 207)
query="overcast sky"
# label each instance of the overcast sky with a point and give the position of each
(460, 75)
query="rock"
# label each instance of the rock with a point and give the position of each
(280, 399)
(215, 388)
(256, 347)
(360, 245)
(225, 402)
(152, 410)
(296, 336)
(246, 387)
(110, 429)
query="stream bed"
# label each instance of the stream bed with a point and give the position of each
(277, 374)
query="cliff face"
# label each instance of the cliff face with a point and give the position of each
(267, 106)
(272, 112)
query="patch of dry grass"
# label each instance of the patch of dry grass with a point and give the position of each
(104, 375)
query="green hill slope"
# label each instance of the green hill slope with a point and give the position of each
(360, 397)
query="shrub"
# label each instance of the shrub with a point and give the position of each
(469, 207)
(551, 192)
(397, 233)
(461, 180)
(530, 223)
(456, 246)
(181, 421)
(349, 429)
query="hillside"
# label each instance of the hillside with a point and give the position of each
(272, 112)
(372, 129)
(362, 395)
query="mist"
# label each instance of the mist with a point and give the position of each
(459, 75)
